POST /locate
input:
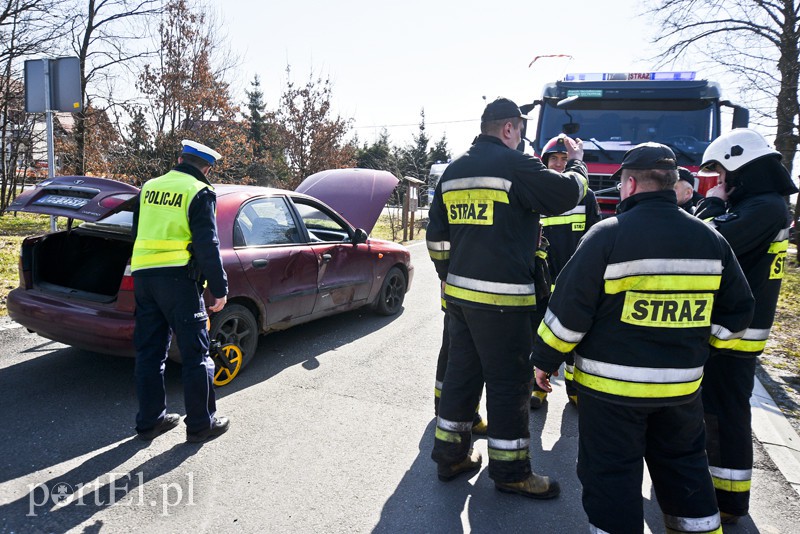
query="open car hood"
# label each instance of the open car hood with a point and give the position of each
(86, 198)
(359, 195)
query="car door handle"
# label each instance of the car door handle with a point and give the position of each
(258, 264)
(326, 258)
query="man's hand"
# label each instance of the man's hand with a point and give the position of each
(218, 304)
(718, 191)
(574, 148)
(543, 379)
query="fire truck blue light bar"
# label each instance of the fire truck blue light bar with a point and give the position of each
(676, 76)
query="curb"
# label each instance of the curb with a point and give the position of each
(776, 434)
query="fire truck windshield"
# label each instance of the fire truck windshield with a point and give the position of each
(688, 126)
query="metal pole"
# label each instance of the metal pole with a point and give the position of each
(48, 113)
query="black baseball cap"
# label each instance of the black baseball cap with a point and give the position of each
(502, 108)
(686, 175)
(648, 156)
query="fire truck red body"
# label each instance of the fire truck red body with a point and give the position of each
(613, 112)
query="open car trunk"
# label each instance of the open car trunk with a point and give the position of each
(77, 264)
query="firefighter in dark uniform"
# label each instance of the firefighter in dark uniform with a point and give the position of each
(640, 302)
(176, 251)
(562, 233)
(748, 209)
(483, 219)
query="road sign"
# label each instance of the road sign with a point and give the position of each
(64, 77)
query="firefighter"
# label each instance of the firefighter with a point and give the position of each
(562, 233)
(640, 301)
(748, 209)
(175, 251)
(684, 189)
(484, 216)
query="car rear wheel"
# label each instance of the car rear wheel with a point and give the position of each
(234, 326)
(393, 291)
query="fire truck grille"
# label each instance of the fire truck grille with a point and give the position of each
(601, 181)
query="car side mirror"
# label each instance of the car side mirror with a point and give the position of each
(360, 236)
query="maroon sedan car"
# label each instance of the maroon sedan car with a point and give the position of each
(290, 259)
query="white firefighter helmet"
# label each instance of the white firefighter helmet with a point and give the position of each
(737, 148)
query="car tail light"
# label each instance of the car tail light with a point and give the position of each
(113, 201)
(125, 298)
(25, 278)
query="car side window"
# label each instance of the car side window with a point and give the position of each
(320, 225)
(265, 221)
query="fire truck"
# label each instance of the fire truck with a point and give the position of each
(613, 112)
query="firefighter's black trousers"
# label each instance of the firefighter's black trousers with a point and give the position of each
(614, 439)
(492, 347)
(727, 386)
(441, 369)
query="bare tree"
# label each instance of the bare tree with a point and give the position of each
(757, 40)
(313, 137)
(107, 35)
(27, 27)
(187, 93)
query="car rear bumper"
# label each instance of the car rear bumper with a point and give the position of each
(94, 327)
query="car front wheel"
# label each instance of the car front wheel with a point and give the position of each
(393, 291)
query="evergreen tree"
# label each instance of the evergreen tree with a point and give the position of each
(257, 131)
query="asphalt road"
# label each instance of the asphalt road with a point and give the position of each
(332, 426)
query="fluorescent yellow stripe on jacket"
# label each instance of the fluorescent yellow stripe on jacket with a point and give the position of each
(488, 292)
(636, 382)
(637, 390)
(563, 219)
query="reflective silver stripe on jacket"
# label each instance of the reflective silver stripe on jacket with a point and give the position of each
(662, 266)
(692, 524)
(563, 333)
(501, 288)
(583, 185)
(574, 211)
(783, 235)
(651, 375)
(477, 182)
(454, 426)
(439, 384)
(756, 334)
(439, 246)
(509, 444)
(725, 473)
(720, 332)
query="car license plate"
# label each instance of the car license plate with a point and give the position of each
(62, 201)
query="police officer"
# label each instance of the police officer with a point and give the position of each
(175, 252)
(748, 209)
(562, 233)
(483, 219)
(639, 302)
(684, 189)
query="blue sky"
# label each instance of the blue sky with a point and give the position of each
(389, 60)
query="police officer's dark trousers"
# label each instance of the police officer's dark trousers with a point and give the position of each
(164, 302)
(491, 347)
(727, 386)
(613, 440)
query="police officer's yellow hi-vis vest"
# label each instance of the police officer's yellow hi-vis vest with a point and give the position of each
(163, 234)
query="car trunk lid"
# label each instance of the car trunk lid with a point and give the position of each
(85, 198)
(359, 195)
